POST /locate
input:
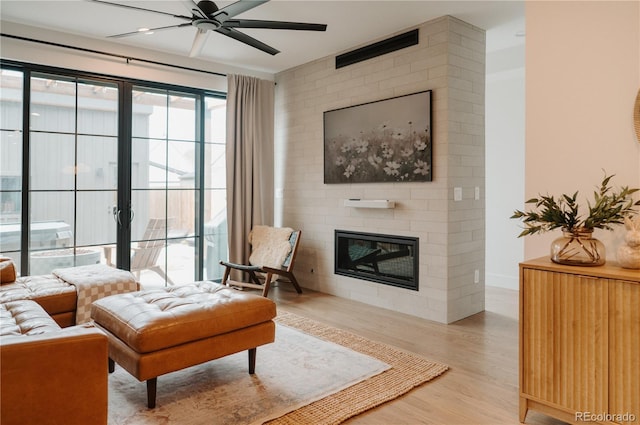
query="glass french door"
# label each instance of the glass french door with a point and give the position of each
(177, 169)
(11, 163)
(164, 186)
(118, 174)
(73, 147)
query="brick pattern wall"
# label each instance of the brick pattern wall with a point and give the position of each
(450, 61)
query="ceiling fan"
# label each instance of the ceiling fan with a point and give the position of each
(206, 17)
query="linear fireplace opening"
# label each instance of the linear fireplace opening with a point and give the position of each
(391, 260)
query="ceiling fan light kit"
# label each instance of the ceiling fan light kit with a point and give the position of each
(206, 24)
(206, 16)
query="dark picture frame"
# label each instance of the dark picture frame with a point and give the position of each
(388, 140)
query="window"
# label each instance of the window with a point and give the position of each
(215, 202)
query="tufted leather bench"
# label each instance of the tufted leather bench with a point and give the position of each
(155, 332)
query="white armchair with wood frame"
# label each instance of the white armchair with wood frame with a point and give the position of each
(273, 254)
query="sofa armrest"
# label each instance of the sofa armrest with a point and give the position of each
(7, 270)
(56, 377)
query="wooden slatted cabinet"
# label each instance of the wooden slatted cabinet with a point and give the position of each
(580, 342)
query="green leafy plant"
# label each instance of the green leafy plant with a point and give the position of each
(609, 207)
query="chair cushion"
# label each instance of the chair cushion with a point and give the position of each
(269, 245)
(151, 320)
(25, 318)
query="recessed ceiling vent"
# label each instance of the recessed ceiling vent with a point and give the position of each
(380, 48)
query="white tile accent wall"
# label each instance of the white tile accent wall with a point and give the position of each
(450, 61)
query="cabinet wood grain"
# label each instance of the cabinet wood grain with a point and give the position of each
(579, 342)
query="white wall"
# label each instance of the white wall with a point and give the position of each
(450, 61)
(505, 130)
(583, 73)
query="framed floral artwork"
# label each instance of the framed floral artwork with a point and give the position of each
(383, 141)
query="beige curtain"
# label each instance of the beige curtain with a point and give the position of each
(249, 151)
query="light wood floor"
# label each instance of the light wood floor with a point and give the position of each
(481, 386)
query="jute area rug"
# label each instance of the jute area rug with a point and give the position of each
(313, 374)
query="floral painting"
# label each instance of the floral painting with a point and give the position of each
(383, 141)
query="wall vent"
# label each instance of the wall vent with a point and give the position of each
(380, 48)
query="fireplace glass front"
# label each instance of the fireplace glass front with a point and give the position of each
(387, 259)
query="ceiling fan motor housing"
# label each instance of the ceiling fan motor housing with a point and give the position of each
(208, 7)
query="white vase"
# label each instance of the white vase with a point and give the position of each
(629, 257)
(629, 254)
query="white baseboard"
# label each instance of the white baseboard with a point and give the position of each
(502, 281)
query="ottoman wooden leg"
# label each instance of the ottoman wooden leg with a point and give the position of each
(252, 360)
(151, 392)
(112, 365)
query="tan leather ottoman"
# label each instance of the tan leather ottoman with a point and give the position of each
(163, 330)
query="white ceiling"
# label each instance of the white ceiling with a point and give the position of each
(349, 25)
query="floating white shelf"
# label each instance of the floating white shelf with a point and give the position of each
(369, 203)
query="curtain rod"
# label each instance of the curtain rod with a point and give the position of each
(127, 58)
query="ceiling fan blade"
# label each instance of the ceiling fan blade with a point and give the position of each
(126, 34)
(230, 32)
(236, 8)
(276, 25)
(141, 9)
(198, 42)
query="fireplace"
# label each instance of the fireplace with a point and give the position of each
(391, 260)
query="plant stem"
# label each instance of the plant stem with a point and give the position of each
(590, 250)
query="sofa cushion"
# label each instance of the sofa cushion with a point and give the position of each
(151, 320)
(53, 294)
(7, 270)
(25, 317)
